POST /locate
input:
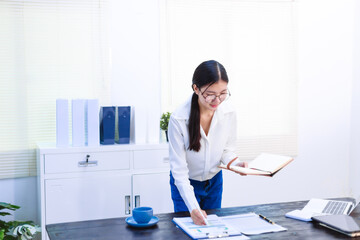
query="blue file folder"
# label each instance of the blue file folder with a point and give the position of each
(124, 114)
(107, 125)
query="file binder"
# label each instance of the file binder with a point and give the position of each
(140, 122)
(92, 122)
(78, 122)
(62, 123)
(107, 125)
(123, 115)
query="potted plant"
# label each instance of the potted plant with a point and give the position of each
(164, 123)
(12, 230)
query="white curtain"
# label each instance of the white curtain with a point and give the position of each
(255, 41)
(48, 50)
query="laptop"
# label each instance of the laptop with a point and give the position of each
(344, 224)
(318, 207)
(328, 207)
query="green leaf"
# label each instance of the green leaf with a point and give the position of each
(164, 121)
(6, 226)
(3, 224)
(2, 233)
(4, 213)
(4, 205)
(18, 223)
(7, 237)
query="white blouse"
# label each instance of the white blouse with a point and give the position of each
(218, 146)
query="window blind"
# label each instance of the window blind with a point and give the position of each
(255, 41)
(48, 50)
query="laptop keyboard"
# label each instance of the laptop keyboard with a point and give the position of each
(335, 207)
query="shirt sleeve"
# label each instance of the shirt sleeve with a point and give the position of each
(229, 151)
(178, 164)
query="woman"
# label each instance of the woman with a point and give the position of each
(202, 134)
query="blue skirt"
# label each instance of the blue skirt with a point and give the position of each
(208, 193)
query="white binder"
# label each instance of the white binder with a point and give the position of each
(78, 122)
(92, 122)
(62, 123)
(140, 119)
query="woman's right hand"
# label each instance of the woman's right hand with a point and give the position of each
(244, 165)
(197, 217)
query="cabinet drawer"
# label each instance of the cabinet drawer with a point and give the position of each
(76, 162)
(146, 159)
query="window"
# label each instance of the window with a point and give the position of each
(48, 50)
(255, 41)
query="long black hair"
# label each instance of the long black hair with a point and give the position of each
(207, 73)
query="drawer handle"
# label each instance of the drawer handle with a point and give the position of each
(137, 201)
(88, 163)
(127, 205)
(166, 159)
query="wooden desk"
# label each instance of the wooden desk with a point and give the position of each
(116, 228)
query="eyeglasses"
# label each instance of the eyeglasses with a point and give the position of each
(212, 97)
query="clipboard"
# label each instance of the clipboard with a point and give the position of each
(217, 228)
(228, 226)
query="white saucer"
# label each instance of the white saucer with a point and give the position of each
(130, 220)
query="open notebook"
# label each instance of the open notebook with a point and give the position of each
(318, 207)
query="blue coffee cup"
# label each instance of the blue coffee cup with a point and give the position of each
(142, 214)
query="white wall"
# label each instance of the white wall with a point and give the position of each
(21, 192)
(325, 78)
(135, 47)
(326, 74)
(355, 119)
(321, 168)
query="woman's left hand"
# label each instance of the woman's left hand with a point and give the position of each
(244, 165)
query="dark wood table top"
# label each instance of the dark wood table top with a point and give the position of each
(117, 228)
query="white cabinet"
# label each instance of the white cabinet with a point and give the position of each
(87, 183)
(160, 159)
(146, 188)
(86, 198)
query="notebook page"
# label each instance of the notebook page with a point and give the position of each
(268, 162)
(251, 224)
